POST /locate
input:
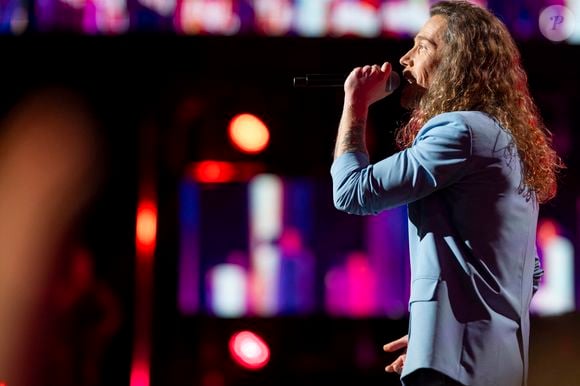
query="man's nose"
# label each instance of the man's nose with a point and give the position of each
(405, 60)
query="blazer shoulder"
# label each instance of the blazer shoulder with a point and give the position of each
(467, 118)
(461, 123)
(450, 126)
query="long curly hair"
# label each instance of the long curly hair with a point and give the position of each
(480, 69)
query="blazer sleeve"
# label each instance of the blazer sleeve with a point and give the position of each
(438, 157)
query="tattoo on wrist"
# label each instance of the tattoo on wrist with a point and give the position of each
(353, 140)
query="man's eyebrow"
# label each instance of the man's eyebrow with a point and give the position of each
(421, 37)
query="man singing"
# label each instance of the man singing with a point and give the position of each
(475, 163)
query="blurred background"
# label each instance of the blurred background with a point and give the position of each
(166, 198)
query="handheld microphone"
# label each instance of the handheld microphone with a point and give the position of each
(337, 80)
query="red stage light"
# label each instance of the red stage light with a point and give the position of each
(139, 374)
(221, 172)
(146, 227)
(249, 350)
(214, 171)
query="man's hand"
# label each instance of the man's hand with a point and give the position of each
(366, 85)
(397, 365)
(363, 86)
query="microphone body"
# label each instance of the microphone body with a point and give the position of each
(337, 80)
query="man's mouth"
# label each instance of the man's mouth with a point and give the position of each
(409, 77)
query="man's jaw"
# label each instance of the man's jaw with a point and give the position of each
(411, 94)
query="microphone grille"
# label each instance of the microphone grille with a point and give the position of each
(393, 82)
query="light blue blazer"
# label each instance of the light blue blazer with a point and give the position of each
(472, 233)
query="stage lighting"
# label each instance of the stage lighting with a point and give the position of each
(249, 350)
(248, 133)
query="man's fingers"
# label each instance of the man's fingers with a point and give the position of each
(400, 363)
(393, 366)
(396, 345)
(385, 66)
(397, 365)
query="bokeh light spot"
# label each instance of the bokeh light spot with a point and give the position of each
(249, 350)
(248, 133)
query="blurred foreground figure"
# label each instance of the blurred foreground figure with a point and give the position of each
(48, 174)
(87, 315)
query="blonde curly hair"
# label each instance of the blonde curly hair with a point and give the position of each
(480, 69)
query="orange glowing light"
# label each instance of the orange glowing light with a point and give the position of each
(146, 227)
(249, 350)
(547, 231)
(248, 133)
